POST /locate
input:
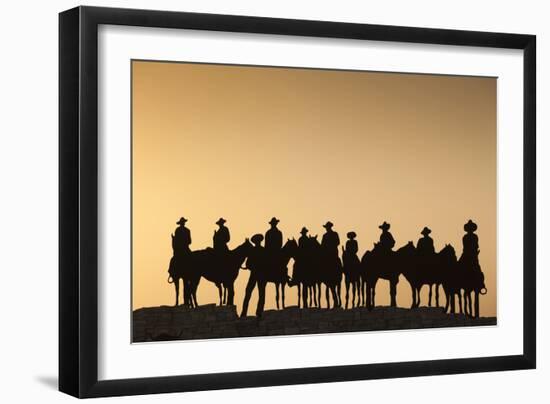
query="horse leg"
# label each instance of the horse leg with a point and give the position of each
(373, 294)
(335, 297)
(327, 296)
(430, 296)
(224, 294)
(277, 294)
(393, 293)
(299, 294)
(437, 295)
(194, 287)
(418, 290)
(231, 295)
(353, 295)
(261, 298)
(186, 293)
(460, 301)
(283, 294)
(452, 297)
(316, 290)
(413, 293)
(347, 291)
(470, 312)
(476, 304)
(189, 287)
(219, 285)
(177, 286)
(305, 296)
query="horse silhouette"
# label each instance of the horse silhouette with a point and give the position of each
(327, 269)
(431, 270)
(304, 274)
(178, 270)
(452, 286)
(472, 282)
(380, 263)
(352, 276)
(218, 267)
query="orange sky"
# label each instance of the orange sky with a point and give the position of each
(307, 146)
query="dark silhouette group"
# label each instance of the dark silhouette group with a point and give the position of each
(318, 263)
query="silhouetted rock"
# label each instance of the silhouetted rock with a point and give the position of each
(167, 323)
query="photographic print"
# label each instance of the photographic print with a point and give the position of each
(284, 201)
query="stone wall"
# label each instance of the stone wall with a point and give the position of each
(167, 323)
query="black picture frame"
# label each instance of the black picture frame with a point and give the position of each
(78, 201)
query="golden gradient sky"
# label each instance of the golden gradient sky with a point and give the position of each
(307, 146)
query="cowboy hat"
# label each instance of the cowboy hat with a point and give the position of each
(181, 221)
(274, 220)
(384, 226)
(328, 225)
(304, 230)
(425, 231)
(257, 238)
(221, 221)
(351, 234)
(470, 226)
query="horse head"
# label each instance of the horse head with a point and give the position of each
(291, 247)
(448, 252)
(314, 241)
(407, 250)
(244, 248)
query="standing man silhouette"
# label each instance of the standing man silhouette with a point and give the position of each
(386, 239)
(331, 240)
(221, 236)
(273, 237)
(255, 263)
(182, 238)
(425, 245)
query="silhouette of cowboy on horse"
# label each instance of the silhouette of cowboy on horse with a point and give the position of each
(221, 236)
(181, 240)
(387, 242)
